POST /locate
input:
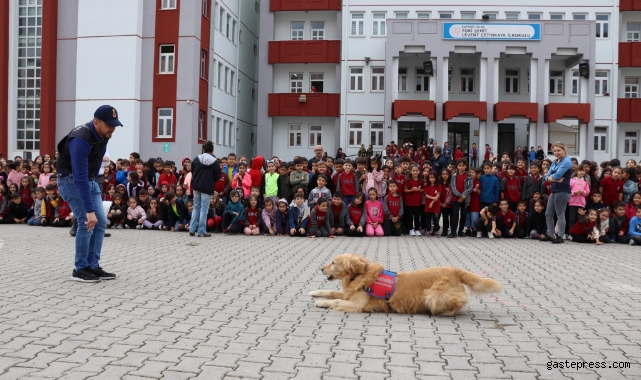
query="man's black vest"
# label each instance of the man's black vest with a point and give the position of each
(98, 147)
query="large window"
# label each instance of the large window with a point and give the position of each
(165, 121)
(378, 24)
(355, 134)
(600, 139)
(295, 82)
(356, 79)
(402, 79)
(511, 81)
(449, 80)
(298, 29)
(29, 73)
(422, 81)
(318, 30)
(376, 134)
(630, 142)
(378, 79)
(315, 135)
(317, 82)
(556, 82)
(201, 125)
(631, 88)
(602, 26)
(357, 24)
(168, 4)
(203, 64)
(167, 53)
(633, 32)
(295, 136)
(601, 83)
(467, 80)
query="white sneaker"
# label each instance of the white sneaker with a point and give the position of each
(631, 242)
(490, 235)
(139, 227)
(412, 233)
(417, 233)
(479, 234)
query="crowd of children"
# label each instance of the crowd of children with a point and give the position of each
(368, 196)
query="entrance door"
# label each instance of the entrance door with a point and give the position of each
(459, 134)
(413, 131)
(506, 140)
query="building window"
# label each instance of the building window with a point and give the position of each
(356, 79)
(29, 74)
(467, 81)
(318, 30)
(556, 82)
(376, 134)
(220, 75)
(255, 50)
(240, 36)
(445, 14)
(575, 82)
(228, 27)
(234, 25)
(533, 16)
(449, 80)
(227, 79)
(602, 26)
(214, 78)
(167, 59)
(378, 79)
(201, 126)
(232, 81)
(168, 4)
(400, 15)
(237, 138)
(298, 29)
(225, 132)
(256, 7)
(579, 16)
(633, 32)
(378, 24)
(317, 80)
(556, 16)
(491, 15)
(631, 88)
(253, 94)
(203, 64)
(165, 120)
(315, 135)
(601, 83)
(511, 81)
(295, 82)
(355, 134)
(221, 19)
(630, 142)
(422, 81)
(511, 16)
(423, 15)
(231, 134)
(206, 8)
(600, 139)
(468, 15)
(295, 136)
(402, 79)
(218, 130)
(357, 24)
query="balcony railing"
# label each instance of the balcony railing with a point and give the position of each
(304, 5)
(629, 110)
(630, 5)
(305, 51)
(629, 54)
(556, 111)
(304, 104)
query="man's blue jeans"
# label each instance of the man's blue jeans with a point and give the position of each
(199, 213)
(88, 243)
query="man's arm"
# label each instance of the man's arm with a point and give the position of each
(79, 150)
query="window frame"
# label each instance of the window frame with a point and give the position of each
(293, 32)
(465, 14)
(315, 137)
(557, 16)
(628, 93)
(517, 14)
(221, 19)
(637, 32)
(234, 26)
(297, 81)
(556, 78)
(354, 78)
(581, 16)
(467, 82)
(630, 141)
(357, 24)
(296, 133)
(353, 128)
(446, 15)
(230, 130)
(534, 16)
(232, 82)
(422, 15)
(490, 14)
(575, 83)
(313, 80)
(205, 9)
(169, 119)
(203, 65)
(379, 24)
(512, 79)
(377, 79)
(402, 78)
(227, 69)
(602, 26)
(220, 75)
(377, 127)
(402, 13)
(167, 4)
(218, 120)
(169, 58)
(225, 132)
(601, 139)
(320, 32)
(227, 31)
(425, 87)
(201, 125)
(599, 82)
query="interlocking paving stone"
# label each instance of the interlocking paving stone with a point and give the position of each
(238, 308)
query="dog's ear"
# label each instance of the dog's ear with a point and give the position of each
(355, 265)
(365, 278)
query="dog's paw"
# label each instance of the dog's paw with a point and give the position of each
(323, 303)
(318, 293)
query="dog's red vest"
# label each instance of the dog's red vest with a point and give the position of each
(384, 285)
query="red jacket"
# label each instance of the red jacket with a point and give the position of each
(347, 183)
(400, 180)
(414, 198)
(582, 227)
(170, 179)
(432, 191)
(458, 154)
(355, 215)
(393, 205)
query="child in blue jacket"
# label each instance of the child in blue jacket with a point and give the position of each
(234, 214)
(298, 216)
(489, 187)
(634, 231)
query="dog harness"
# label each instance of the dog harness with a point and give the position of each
(384, 285)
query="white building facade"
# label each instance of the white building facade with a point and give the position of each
(505, 92)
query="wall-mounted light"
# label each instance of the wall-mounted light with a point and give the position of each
(367, 59)
(302, 99)
(429, 68)
(584, 70)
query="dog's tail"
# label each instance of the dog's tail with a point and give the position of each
(480, 285)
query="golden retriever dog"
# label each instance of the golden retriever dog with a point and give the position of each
(437, 290)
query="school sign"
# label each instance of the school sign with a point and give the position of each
(491, 31)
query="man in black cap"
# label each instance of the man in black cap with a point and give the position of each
(78, 165)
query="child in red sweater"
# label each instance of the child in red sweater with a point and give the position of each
(168, 176)
(393, 209)
(505, 221)
(612, 187)
(432, 209)
(582, 230)
(413, 200)
(474, 208)
(511, 188)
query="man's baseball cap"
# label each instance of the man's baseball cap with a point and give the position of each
(109, 115)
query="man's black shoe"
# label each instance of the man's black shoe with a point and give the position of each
(450, 236)
(468, 232)
(101, 274)
(462, 234)
(547, 238)
(84, 275)
(558, 240)
(107, 234)
(192, 234)
(74, 229)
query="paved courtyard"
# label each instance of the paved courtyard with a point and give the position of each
(234, 307)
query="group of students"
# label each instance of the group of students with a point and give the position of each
(328, 198)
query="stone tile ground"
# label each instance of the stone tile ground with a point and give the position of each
(235, 307)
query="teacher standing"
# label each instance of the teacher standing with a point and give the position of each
(78, 166)
(559, 175)
(205, 172)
